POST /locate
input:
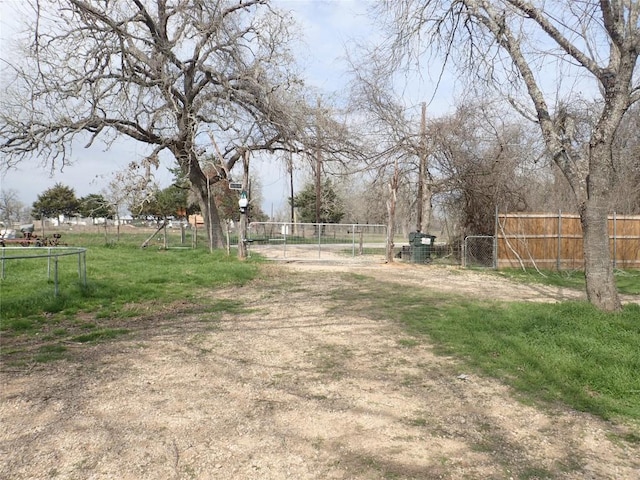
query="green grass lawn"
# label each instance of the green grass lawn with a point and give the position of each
(628, 281)
(567, 352)
(123, 281)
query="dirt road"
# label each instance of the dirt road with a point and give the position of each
(291, 386)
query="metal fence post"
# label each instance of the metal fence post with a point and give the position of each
(55, 275)
(495, 252)
(284, 239)
(353, 240)
(496, 231)
(80, 268)
(463, 255)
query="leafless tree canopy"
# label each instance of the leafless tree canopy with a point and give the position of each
(541, 55)
(183, 76)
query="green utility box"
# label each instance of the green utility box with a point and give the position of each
(421, 246)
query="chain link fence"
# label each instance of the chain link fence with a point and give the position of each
(479, 251)
(326, 241)
(345, 243)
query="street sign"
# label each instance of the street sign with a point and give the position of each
(235, 185)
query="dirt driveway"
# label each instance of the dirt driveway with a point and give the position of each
(289, 386)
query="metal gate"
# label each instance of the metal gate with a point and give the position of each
(318, 241)
(479, 251)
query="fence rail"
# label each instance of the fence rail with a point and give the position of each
(554, 240)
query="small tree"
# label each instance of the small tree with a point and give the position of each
(54, 202)
(95, 206)
(332, 209)
(163, 204)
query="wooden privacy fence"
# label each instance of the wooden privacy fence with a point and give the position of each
(554, 240)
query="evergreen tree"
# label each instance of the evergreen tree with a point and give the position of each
(95, 206)
(332, 207)
(56, 201)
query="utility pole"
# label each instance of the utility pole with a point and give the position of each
(422, 167)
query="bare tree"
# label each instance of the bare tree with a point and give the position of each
(129, 188)
(396, 143)
(12, 210)
(519, 46)
(179, 76)
(480, 163)
(626, 156)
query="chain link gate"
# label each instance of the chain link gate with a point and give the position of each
(480, 251)
(318, 241)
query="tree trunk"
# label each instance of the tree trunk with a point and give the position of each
(601, 286)
(210, 216)
(211, 220)
(208, 208)
(391, 211)
(594, 216)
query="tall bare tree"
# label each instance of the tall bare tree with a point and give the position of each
(396, 143)
(179, 76)
(547, 50)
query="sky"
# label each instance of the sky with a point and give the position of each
(327, 27)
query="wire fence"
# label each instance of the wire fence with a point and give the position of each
(344, 242)
(317, 240)
(479, 251)
(52, 256)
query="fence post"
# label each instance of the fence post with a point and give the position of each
(559, 254)
(284, 243)
(82, 265)
(353, 240)
(615, 238)
(464, 253)
(495, 241)
(495, 252)
(55, 275)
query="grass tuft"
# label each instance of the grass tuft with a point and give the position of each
(98, 335)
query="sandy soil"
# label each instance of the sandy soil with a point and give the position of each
(294, 387)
